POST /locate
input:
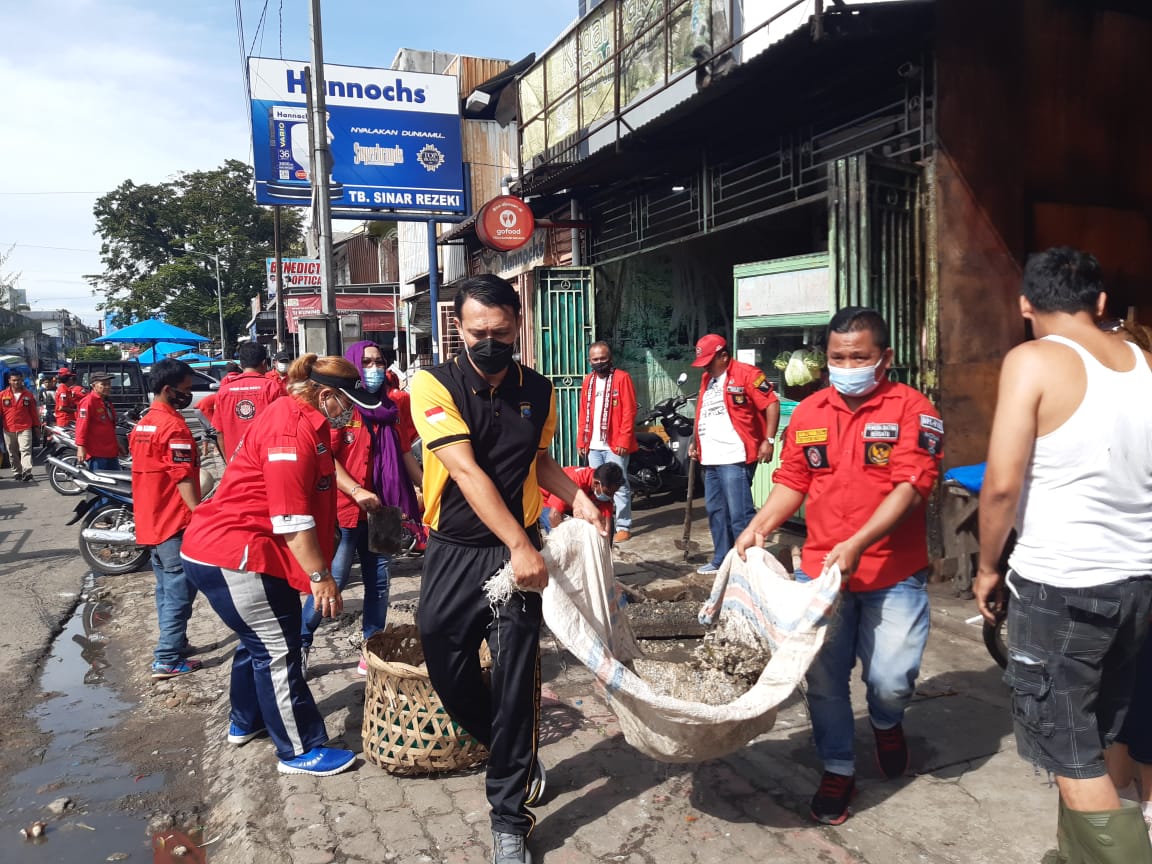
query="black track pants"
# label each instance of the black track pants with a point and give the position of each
(454, 617)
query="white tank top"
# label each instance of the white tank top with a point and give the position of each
(1085, 516)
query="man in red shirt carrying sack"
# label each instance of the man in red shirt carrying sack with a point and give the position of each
(865, 453)
(241, 399)
(165, 491)
(737, 415)
(607, 426)
(96, 441)
(18, 415)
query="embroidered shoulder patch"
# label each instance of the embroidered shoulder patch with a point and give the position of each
(927, 421)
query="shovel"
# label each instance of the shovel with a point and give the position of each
(686, 543)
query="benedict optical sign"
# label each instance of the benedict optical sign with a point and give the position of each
(505, 223)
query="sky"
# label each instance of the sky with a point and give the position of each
(102, 91)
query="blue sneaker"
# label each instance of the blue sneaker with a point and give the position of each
(161, 671)
(319, 762)
(237, 735)
(707, 569)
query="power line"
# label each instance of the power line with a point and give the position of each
(259, 27)
(18, 244)
(52, 193)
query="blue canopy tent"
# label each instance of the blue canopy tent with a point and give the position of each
(165, 349)
(153, 331)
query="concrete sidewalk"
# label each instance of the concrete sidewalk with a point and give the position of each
(968, 799)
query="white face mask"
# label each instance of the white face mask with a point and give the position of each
(282, 368)
(854, 382)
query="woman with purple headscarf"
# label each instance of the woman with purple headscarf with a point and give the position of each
(372, 448)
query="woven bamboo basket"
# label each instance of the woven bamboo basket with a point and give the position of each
(406, 729)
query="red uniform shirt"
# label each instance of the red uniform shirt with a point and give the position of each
(18, 410)
(618, 412)
(352, 447)
(163, 454)
(273, 375)
(283, 467)
(747, 395)
(65, 406)
(847, 463)
(207, 406)
(239, 402)
(404, 426)
(583, 478)
(96, 427)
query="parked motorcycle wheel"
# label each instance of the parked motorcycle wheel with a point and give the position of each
(107, 557)
(61, 480)
(996, 638)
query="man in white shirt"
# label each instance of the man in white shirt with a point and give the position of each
(1070, 461)
(737, 415)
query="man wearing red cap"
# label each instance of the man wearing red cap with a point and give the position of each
(66, 400)
(737, 415)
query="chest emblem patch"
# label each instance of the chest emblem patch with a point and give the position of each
(877, 452)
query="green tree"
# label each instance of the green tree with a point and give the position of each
(149, 234)
(93, 352)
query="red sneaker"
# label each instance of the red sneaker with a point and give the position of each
(830, 803)
(891, 751)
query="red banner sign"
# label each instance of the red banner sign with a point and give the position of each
(377, 311)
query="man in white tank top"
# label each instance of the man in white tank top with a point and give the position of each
(1070, 463)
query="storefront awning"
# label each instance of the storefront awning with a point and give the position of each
(377, 312)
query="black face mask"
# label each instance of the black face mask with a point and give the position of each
(179, 399)
(602, 368)
(491, 356)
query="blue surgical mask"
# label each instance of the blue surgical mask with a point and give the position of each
(600, 496)
(373, 378)
(856, 382)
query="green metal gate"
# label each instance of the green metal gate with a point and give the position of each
(876, 247)
(564, 330)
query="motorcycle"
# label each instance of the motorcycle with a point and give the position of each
(970, 478)
(659, 466)
(107, 522)
(60, 443)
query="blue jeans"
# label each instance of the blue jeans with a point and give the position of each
(623, 497)
(887, 629)
(174, 597)
(728, 500)
(104, 463)
(373, 571)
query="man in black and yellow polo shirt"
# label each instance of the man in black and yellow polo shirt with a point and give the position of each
(486, 423)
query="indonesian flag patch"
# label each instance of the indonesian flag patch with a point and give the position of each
(435, 414)
(281, 454)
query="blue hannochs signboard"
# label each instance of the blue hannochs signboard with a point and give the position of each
(394, 137)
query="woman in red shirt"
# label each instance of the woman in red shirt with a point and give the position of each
(265, 537)
(375, 450)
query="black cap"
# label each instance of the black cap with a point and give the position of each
(353, 388)
(283, 357)
(99, 376)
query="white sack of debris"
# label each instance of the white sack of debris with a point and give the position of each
(755, 602)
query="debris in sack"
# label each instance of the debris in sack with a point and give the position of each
(715, 671)
(33, 831)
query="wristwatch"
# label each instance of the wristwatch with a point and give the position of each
(771, 441)
(319, 575)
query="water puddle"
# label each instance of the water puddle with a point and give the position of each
(76, 766)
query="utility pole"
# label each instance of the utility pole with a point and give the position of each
(321, 169)
(280, 343)
(220, 306)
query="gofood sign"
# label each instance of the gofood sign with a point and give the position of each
(505, 223)
(394, 137)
